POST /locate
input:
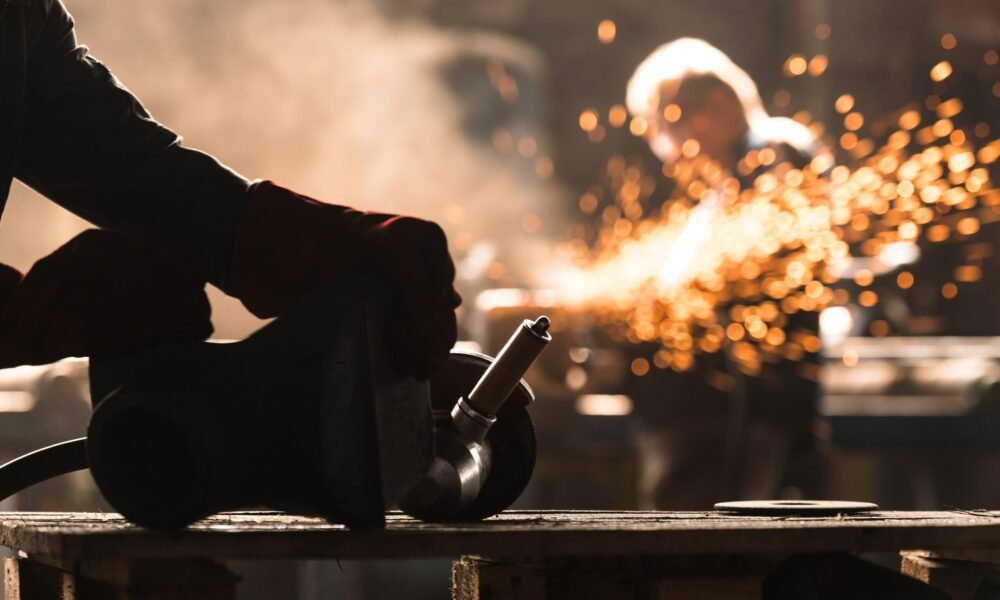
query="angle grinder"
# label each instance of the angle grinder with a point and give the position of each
(306, 416)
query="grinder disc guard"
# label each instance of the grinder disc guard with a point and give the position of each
(511, 438)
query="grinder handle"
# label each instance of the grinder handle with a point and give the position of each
(510, 365)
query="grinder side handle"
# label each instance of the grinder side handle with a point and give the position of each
(510, 365)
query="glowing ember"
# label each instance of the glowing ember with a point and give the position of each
(795, 65)
(617, 115)
(941, 71)
(818, 65)
(672, 113)
(638, 126)
(844, 103)
(606, 31)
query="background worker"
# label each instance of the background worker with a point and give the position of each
(715, 433)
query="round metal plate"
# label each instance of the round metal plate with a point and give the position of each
(512, 437)
(809, 508)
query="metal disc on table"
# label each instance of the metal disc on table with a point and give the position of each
(807, 508)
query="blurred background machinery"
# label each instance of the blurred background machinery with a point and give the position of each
(914, 421)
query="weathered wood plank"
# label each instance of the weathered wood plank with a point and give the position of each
(618, 578)
(193, 579)
(26, 580)
(475, 579)
(76, 536)
(962, 580)
(991, 555)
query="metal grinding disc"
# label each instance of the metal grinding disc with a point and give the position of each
(805, 508)
(512, 437)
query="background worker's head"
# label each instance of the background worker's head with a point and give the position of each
(705, 109)
(689, 90)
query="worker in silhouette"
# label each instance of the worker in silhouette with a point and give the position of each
(171, 219)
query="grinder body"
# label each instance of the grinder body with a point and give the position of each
(305, 415)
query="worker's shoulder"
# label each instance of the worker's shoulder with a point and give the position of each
(43, 15)
(49, 5)
(43, 6)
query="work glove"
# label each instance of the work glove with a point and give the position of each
(102, 294)
(288, 245)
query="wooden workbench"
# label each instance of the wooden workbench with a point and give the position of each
(85, 555)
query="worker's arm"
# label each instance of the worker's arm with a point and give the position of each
(90, 146)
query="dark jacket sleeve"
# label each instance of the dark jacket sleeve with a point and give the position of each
(90, 146)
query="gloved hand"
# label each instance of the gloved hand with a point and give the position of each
(288, 245)
(102, 294)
